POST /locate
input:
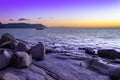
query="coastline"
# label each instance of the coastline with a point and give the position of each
(60, 62)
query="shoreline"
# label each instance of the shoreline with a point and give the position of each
(56, 62)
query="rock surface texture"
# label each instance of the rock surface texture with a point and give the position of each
(5, 58)
(109, 53)
(21, 60)
(22, 46)
(7, 37)
(9, 76)
(56, 67)
(38, 51)
(62, 62)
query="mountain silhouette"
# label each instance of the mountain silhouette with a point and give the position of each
(22, 25)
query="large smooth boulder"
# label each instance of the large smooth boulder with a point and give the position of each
(9, 44)
(21, 46)
(7, 37)
(5, 58)
(9, 76)
(21, 60)
(108, 53)
(38, 51)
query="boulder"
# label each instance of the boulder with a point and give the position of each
(21, 60)
(7, 37)
(108, 53)
(88, 50)
(9, 44)
(38, 51)
(21, 46)
(5, 58)
(49, 50)
(9, 76)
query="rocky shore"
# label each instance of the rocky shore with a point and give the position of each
(49, 61)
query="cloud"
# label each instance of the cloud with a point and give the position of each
(23, 19)
(40, 18)
(11, 19)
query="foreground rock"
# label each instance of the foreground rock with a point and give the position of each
(62, 67)
(38, 51)
(9, 44)
(5, 58)
(21, 60)
(22, 46)
(7, 37)
(9, 76)
(99, 66)
(56, 67)
(88, 50)
(108, 53)
(115, 74)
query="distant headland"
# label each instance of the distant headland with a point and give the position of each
(22, 25)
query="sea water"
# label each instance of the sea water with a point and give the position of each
(95, 38)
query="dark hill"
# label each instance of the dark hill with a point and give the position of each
(22, 25)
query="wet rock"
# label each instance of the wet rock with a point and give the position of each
(115, 74)
(54, 68)
(31, 73)
(5, 58)
(49, 50)
(9, 76)
(21, 46)
(11, 52)
(88, 50)
(38, 51)
(67, 69)
(9, 44)
(99, 66)
(108, 53)
(21, 60)
(7, 37)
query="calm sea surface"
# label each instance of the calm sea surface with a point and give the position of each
(96, 38)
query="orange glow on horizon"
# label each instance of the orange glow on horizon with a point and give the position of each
(92, 24)
(85, 24)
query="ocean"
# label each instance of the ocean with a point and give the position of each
(95, 38)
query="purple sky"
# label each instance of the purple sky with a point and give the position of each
(67, 9)
(17, 4)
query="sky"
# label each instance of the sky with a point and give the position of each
(66, 13)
